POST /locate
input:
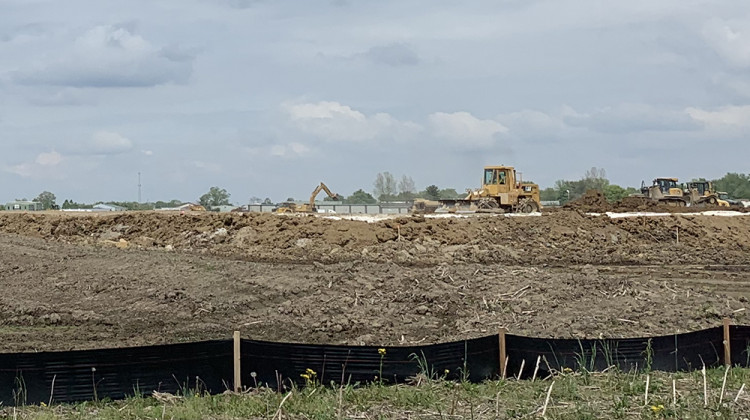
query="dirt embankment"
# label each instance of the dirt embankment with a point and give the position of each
(594, 201)
(61, 296)
(561, 238)
(88, 281)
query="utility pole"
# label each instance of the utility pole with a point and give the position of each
(139, 188)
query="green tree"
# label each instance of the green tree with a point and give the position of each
(406, 196)
(735, 184)
(360, 197)
(548, 194)
(167, 204)
(432, 192)
(448, 193)
(47, 199)
(616, 193)
(214, 197)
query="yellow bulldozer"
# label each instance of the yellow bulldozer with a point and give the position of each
(701, 193)
(695, 193)
(665, 191)
(502, 192)
(292, 207)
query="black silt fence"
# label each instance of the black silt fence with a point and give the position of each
(32, 378)
(28, 378)
(668, 353)
(740, 345)
(278, 365)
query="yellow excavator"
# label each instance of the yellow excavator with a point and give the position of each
(292, 207)
(502, 192)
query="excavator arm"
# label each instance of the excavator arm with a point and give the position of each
(317, 190)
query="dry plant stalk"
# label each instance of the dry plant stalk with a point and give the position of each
(742, 388)
(536, 369)
(520, 371)
(705, 386)
(723, 385)
(546, 401)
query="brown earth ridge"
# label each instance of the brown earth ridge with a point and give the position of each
(76, 281)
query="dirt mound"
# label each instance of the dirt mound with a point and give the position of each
(593, 201)
(565, 237)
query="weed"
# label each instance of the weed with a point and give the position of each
(649, 354)
(19, 390)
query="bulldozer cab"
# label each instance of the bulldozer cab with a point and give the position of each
(666, 184)
(499, 179)
(703, 187)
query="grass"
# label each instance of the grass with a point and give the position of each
(610, 395)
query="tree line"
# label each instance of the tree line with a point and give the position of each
(736, 185)
(387, 189)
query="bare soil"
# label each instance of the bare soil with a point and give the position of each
(138, 278)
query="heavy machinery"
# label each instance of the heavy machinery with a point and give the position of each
(701, 193)
(665, 191)
(730, 201)
(291, 207)
(502, 191)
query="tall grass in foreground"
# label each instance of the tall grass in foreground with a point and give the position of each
(575, 395)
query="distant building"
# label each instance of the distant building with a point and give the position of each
(108, 207)
(223, 209)
(24, 206)
(184, 207)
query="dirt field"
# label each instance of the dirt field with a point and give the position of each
(75, 281)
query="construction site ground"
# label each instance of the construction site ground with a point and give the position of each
(78, 281)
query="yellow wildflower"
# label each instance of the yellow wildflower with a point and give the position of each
(381, 352)
(657, 408)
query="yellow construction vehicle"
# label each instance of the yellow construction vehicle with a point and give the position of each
(502, 191)
(291, 207)
(665, 191)
(701, 193)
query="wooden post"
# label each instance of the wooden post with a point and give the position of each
(237, 358)
(503, 357)
(727, 344)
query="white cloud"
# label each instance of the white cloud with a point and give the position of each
(147, 152)
(208, 166)
(629, 118)
(332, 121)
(110, 56)
(529, 122)
(108, 143)
(465, 129)
(730, 39)
(727, 117)
(289, 150)
(41, 166)
(49, 159)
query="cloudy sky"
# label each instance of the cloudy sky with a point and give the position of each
(269, 98)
